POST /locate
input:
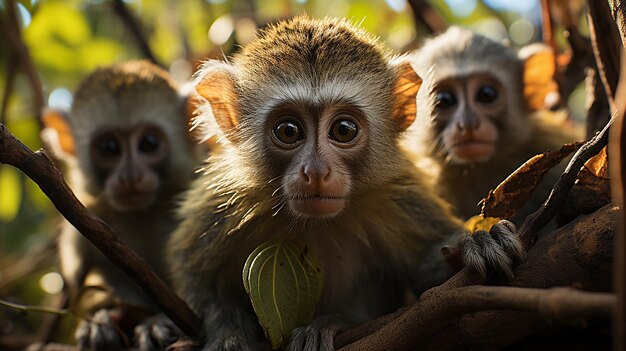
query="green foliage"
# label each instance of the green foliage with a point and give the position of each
(284, 282)
(60, 40)
(10, 193)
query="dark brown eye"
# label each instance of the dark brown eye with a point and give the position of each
(343, 131)
(445, 99)
(108, 147)
(487, 94)
(149, 143)
(288, 132)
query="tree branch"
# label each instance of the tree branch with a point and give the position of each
(13, 34)
(579, 252)
(425, 15)
(8, 87)
(617, 156)
(606, 44)
(133, 25)
(424, 319)
(38, 167)
(25, 309)
(558, 195)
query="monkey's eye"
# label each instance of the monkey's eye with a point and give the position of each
(487, 94)
(149, 143)
(108, 147)
(343, 131)
(288, 132)
(445, 99)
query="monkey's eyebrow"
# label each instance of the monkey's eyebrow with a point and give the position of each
(287, 105)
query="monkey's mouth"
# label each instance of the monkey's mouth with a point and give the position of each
(133, 200)
(473, 150)
(319, 206)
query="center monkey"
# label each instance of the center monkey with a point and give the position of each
(311, 113)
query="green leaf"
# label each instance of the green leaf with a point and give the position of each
(284, 283)
(10, 193)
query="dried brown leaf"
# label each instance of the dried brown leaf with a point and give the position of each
(510, 195)
(597, 166)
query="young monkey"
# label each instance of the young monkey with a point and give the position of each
(476, 114)
(312, 111)
(128, 154)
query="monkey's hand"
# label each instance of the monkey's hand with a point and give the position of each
(499, 250)
(233, 341)
(100, 332)
(156, 333)
(317, 336)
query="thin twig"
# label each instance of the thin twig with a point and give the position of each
(8, 88)
(561, 189)
(424, 14)
(135, 28)
(38, 167)
(50, 323)
(13, 34)
(32, 308)
(37, 258)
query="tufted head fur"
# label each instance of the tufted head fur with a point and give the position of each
(312, 63)
(459, 54)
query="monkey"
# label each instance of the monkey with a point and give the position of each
(477, 121)
(310, 114)
(128, 155)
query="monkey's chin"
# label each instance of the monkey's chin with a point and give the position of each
(473, 151)
(133, 201)
(317, 207)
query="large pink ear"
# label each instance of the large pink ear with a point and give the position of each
(405, 93)
(57, 131)
(217, 86)
(539, 69)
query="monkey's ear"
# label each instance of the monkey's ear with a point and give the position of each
(57, 134)
(217, 86)
(404, 108)
(539, 69)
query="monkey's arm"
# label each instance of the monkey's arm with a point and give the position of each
(226, 324)
(498, 250)
(97, 332)
(72, 260)
(205, 267)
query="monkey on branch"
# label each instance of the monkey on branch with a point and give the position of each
(128, 155)
(478, 119)
(311, 114)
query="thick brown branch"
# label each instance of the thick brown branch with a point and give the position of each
(579, 252)
(38, 167)
(617, 156)
(606, 44)
(425, 319)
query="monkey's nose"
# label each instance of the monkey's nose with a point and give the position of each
(468, 125)
(314, 173)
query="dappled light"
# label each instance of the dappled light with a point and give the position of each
(434, 172)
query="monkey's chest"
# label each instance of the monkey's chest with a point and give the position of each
(358, 283)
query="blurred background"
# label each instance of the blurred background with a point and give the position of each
(66, 39)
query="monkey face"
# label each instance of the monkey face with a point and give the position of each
(316, 145)
(468, 114)
(128, 164)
